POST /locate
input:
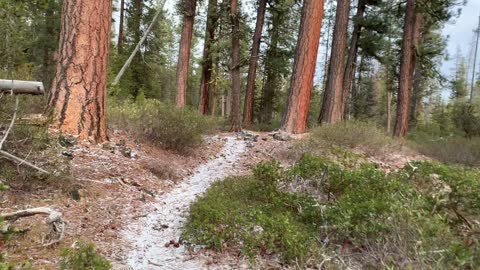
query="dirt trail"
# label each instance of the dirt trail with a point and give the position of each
(150, 234)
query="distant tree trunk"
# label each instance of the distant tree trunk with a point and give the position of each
(271, 74)
(215, 91)
(411, 36)
(212, 19)
(352, 54)
(188, 9)
(332, 108)
(296, 114)
(389, 112)
(79, 88)
(223, 105)
(48, 68)
(327, 48)
(121, 27)
(252, 69)
(235, 70)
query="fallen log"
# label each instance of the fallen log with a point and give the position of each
(21, 87)
(54, 220)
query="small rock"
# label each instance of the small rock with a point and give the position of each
(68, 153)
(282, 136)
(68, 141)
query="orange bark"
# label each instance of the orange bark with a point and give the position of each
(295, 117)
(79, 89)
(184, 52)
(411, 38)
(332, 106)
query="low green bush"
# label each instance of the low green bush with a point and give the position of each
(83, 257)
(364, 136)
(238, 212)
(164, 125)
(422, 217)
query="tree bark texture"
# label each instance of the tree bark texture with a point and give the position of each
(184, 51)
(252, 68)
(79, 88)
(235, 70)
(296, 114)
(411, 37)
(206, 80)
(332, 108)
(352, 54)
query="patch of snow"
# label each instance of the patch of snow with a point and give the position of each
(150, 234)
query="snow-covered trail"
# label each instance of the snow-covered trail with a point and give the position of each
(150, 234)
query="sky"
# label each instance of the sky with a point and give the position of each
(461, 33)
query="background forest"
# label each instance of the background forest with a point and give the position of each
(170, 73)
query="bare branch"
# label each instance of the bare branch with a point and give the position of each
(11, 124)
(22, 161)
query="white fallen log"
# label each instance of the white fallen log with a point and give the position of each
(21, 87)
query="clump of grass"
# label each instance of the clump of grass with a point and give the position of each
(83, 257)
(164, 125)
(363, 136)
(424, 216)
(450, 150)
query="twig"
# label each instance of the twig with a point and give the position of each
(22, 161)
(11, 123)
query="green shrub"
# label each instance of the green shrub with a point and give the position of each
(352, 134)
(422, 217)
(83, 257)
(164, 125)
(238, 212)
(450, 150)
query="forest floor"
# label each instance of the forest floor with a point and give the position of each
(130, 200)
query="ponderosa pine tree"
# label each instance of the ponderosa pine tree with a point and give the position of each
(207, 66)
(78, 91)
(296, 114)
(252, 69)
(411, 37)
(235, 68)
(332, 106)
(187, 8)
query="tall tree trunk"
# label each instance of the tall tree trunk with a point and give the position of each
(121, 27)
(296, 114)
(411, 36)
(271, 81)
(252, 69)
(352, 54)
(212, 19)
(79, 88)
(189, 7)
(235, 70)
(332, 108)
